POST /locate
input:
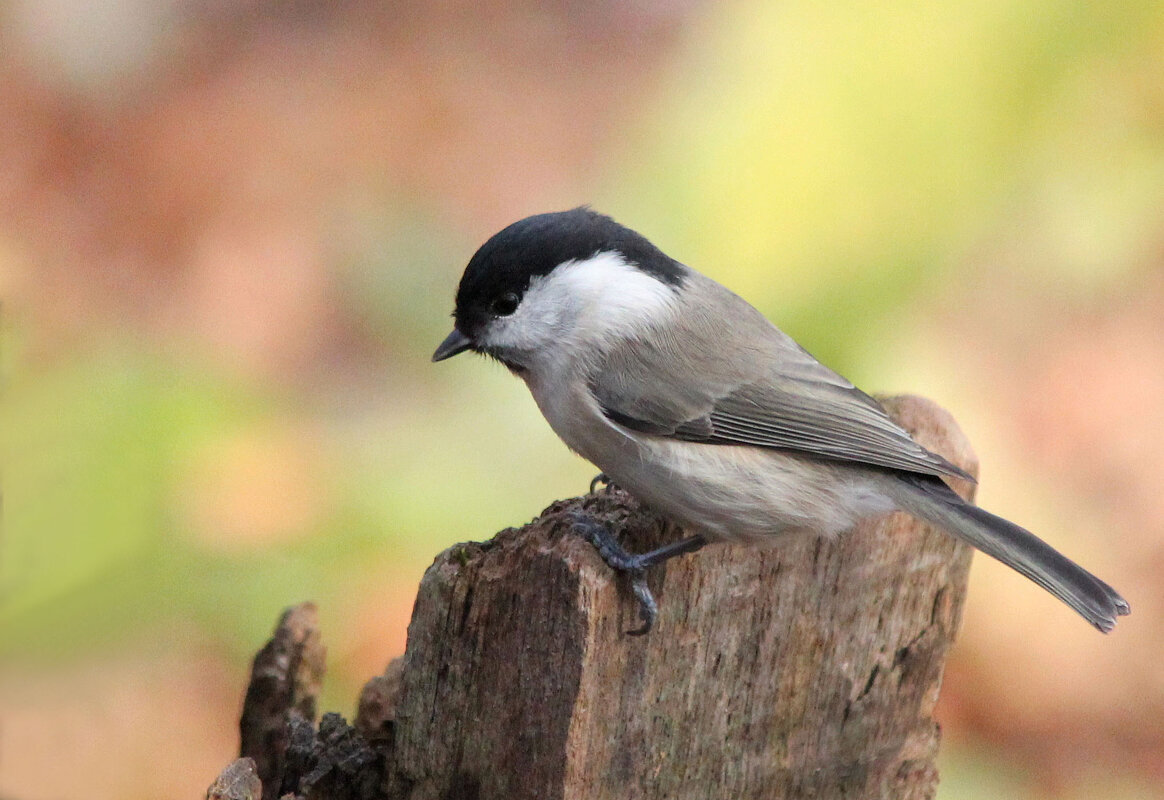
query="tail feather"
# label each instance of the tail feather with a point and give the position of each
(1019, 549)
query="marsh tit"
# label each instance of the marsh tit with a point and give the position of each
(685, 396)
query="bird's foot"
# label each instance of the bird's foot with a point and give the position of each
(632, 565)
(619, 560)
(602, 478)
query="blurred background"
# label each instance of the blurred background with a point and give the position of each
(230, 234)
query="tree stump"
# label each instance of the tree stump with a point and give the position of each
(807, 668)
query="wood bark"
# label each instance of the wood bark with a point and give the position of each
(285, 681)
(807, 668)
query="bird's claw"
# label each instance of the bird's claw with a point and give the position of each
(620, 561)
(648, 608)
(602, 478)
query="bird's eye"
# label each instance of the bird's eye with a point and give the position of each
(506, 304)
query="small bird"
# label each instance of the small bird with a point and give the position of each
(687, 397)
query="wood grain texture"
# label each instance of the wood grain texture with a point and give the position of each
(809, 668)
(239, 781)
(285, 681)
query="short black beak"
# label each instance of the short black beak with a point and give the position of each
(455, 342)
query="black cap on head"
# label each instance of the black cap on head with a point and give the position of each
(536, 245)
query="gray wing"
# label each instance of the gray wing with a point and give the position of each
(748, 383)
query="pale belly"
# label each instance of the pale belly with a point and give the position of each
(745, 493)
(720, 491)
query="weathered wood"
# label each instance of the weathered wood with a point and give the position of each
(285, 682)
(809, 668)
(239, 781)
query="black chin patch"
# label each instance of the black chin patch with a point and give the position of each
(500, 355)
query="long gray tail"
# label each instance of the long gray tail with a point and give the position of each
(1016, 547)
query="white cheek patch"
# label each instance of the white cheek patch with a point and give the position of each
(611, 290)
(583, 302)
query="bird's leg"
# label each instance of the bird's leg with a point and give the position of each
(602, 478)
(620, 560)
(634, 566)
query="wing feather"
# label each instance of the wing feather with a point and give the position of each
(769, 392)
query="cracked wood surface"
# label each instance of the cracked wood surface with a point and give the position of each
(809, 668)
(285, 682)
(806, 669)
